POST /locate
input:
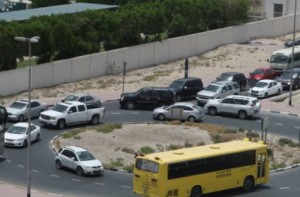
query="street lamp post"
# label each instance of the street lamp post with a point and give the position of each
(31, 40)
(292, 63)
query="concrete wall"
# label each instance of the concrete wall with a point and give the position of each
(111, 62)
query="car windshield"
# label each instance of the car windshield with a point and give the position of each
(212, 88)
(177, 85)
(150, 166)
(279, 59)
(225, 77)
(85, 156)
(261, 84)
(60, 108)
(18, 105)
(17, 130)
(71, 98)
(258, 71)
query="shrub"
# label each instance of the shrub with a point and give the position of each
(128, 150)
(146, 150)
(108, 128)
(252, 134)
(173, 147)
(217, 138)
(128, 168)
(289, 142)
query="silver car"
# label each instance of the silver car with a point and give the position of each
(86, 98)
(18, 110)
(179, 111)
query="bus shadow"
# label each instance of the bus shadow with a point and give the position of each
(239, 192)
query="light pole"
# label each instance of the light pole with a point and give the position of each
(34, 39)
(292, 63)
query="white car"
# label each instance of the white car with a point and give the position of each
(265, 88)
(179, 111)
(243, 106)
(17, 134)
(78, 159)
(18, 110)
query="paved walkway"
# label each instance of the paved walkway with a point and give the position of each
(268, 105)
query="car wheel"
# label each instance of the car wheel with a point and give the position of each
(161, 117)
(58, 164)
(95, 120)
(38, 137)
(191, 119)
(196, 192)
(21, 118)
(130, 105)
(242, 114)
(266, 95)
(79, 171)
(25, 144)
(248, 184)
(212, 111)
(61, 124)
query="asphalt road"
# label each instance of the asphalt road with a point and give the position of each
(46, 177)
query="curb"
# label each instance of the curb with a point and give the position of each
(281, 112)
(286, 168)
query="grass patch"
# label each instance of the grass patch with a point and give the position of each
(146, 150)
(287, 142)
(276, 165)
(25, 63)
(174, 147)
(252, 134)
(128, 168)
(108, 128)
(128, 150)
(73, 133)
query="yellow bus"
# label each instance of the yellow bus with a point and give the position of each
(202, 169)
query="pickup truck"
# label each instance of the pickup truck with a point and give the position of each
(70, 113)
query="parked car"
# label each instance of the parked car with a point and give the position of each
(243, 106)
(17, 134)
(78, 159)
(285, 79)
(3, 116)
(218, 89)
(186, 88)
(265, 88)
(179, 111)
(71, 113)
(289, 43)
(86, 98)
(148, 97)
(263, 73)
(18, 110)
(238, 77)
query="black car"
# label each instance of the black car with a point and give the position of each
(289, 43)
(186, 88)
(148, 97)
(238, 77)
(3, 116)
(285, 79)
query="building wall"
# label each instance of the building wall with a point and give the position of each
(288, 7)
(111, 62)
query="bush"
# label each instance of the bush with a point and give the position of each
(146, 150)
(252, 134)
(128, 150)
(108, 128)
(173, 147)
(128, 168)
(289, 142)
(217, 138)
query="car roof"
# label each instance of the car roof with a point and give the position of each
(266, 80)
(80, 94)
(68, 103)
(22, 124)
(156, 88)
(242, 97)
(25, 100)
(188, 79)
(75, 148)
(231, 73)
(185, 103)
(224, 82)
(264, 68)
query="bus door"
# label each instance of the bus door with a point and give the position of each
(261, 167)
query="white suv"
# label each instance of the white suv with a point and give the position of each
(78, 159)
(243, 106)
(216, 90)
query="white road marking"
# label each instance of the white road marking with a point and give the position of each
(36, 171)
(20, 166)
(55, 176)
(279, 124)
(296, 127)
(285, 188)
(99, 183)
(77, 180)
(125, 186)
(9, 161)
(116, 113)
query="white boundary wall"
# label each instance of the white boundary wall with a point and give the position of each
(104, 63)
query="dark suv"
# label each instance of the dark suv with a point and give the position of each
(3, 116)
(234, 76)
(149, 97)
(284, 79)
(186, 88)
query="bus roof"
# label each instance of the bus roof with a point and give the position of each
(287, 51)
(205, 151)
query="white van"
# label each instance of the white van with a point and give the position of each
(282, 59)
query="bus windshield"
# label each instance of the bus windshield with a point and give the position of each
(143, 164)
(279, 59)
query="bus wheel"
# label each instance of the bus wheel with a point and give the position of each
(248, 184)
(196, 192)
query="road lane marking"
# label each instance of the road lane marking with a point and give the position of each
(116, 113)
(285, 188)
(99, 183)
(20, 166)
(9, 161)
(53, 175)
(296, 127)
(279, 124)
(125, 186)
(77, 180)
(36, 171)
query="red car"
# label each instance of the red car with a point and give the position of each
(262, 73)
